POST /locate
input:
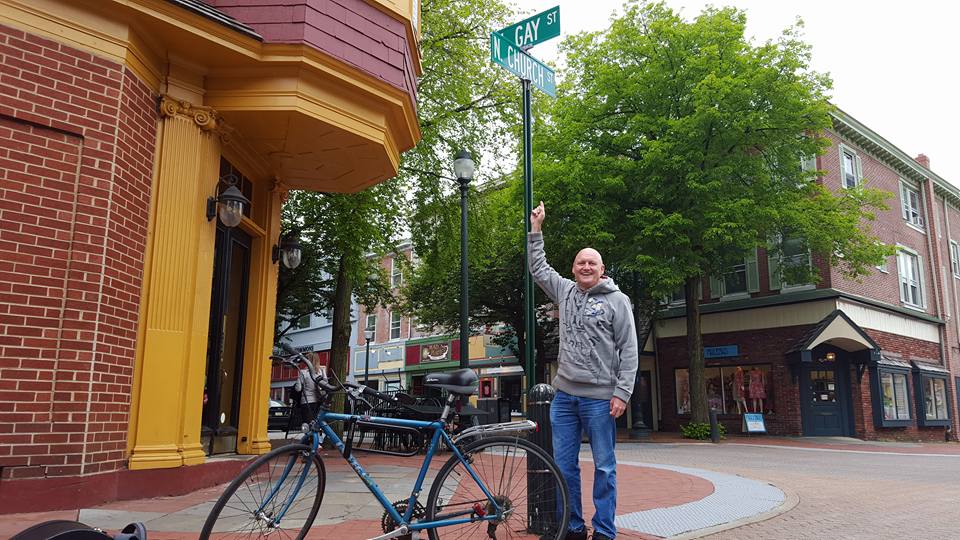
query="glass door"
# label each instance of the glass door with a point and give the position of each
(823, 389)
(228, 306)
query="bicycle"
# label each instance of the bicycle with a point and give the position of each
(479, 492)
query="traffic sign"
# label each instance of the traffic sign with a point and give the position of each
(537, 29)
(504, 52)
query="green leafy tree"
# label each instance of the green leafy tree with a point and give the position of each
(338, 233)
(496, 244)
(461, 101)
(675, 149)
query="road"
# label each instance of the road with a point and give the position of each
(841, 494)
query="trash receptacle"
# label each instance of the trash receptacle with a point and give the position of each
(542, 489)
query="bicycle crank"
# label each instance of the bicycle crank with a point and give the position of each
(388, 524)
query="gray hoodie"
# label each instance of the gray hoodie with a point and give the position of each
(598, 337)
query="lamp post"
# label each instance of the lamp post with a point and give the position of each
(368, 333)
(463, 168)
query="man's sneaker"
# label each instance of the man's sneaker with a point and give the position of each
(601, 536)
(571, 535)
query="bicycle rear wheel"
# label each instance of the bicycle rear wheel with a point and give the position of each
(254, 500)
(524, 481)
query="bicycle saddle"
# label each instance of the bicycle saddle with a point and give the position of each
(460, 381)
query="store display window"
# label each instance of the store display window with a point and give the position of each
(730, 389)
(933, 406)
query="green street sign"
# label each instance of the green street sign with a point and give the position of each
(509, 56)
(537, 29)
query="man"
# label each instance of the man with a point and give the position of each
(309, 394)
(597, 367)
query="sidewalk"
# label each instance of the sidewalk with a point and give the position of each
(655, 501)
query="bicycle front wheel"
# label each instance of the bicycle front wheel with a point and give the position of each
(524, 481)
(253, 505)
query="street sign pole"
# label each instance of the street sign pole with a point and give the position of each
(508, 48)
(531, 329)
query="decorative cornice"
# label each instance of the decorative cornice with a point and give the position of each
(206, 118)
(869, 140)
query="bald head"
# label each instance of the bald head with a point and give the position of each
(588, 268)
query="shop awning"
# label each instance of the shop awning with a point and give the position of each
(839, 331)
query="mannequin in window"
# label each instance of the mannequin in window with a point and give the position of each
(757, 388)
(739, 394)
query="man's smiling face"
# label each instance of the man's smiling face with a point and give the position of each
(588, 268)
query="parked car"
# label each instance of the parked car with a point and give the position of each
(278, 417)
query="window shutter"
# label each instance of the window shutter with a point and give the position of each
(900, 271)
(716, 289)
(858, 169)
(753, 275)
(773, 268)
(904, 202)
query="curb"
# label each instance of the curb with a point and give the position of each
(791, 500)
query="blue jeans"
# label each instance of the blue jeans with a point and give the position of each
(569, 417)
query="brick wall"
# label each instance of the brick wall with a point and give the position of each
(889, 227)
(352, 31)
(77, 139)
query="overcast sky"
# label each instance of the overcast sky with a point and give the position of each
(894, 64)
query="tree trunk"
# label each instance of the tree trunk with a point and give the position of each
(340, 342)
(698, 388)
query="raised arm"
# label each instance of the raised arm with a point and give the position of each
(543, 274)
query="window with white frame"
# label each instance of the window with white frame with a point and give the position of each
(395, 319)
(372, 325)
(738, 280)
(303, 322)
(955, 258)
(396, 274)
(910, 204)
(911, 282)
(850, 171)
(793, 253)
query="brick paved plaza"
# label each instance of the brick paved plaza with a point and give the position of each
(763, 488)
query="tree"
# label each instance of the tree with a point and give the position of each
(675, 148)
(496, 245)
(460, 99)
(338, 233)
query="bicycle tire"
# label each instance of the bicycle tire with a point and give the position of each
(264, 471)
(501, 462)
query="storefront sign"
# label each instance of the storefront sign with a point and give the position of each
(502, 370)
(721, 351)
(753, 423)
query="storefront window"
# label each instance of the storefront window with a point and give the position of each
(730, 389)
(935, 399)
(893, 388)
(892, 405)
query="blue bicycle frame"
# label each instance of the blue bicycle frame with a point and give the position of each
(313, 440)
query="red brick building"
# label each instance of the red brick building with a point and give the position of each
(840, 357)
(134, 324)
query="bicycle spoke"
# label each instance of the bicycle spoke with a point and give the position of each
(251, 506)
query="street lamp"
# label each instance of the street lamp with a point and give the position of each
(368, 333)
(463, 168)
